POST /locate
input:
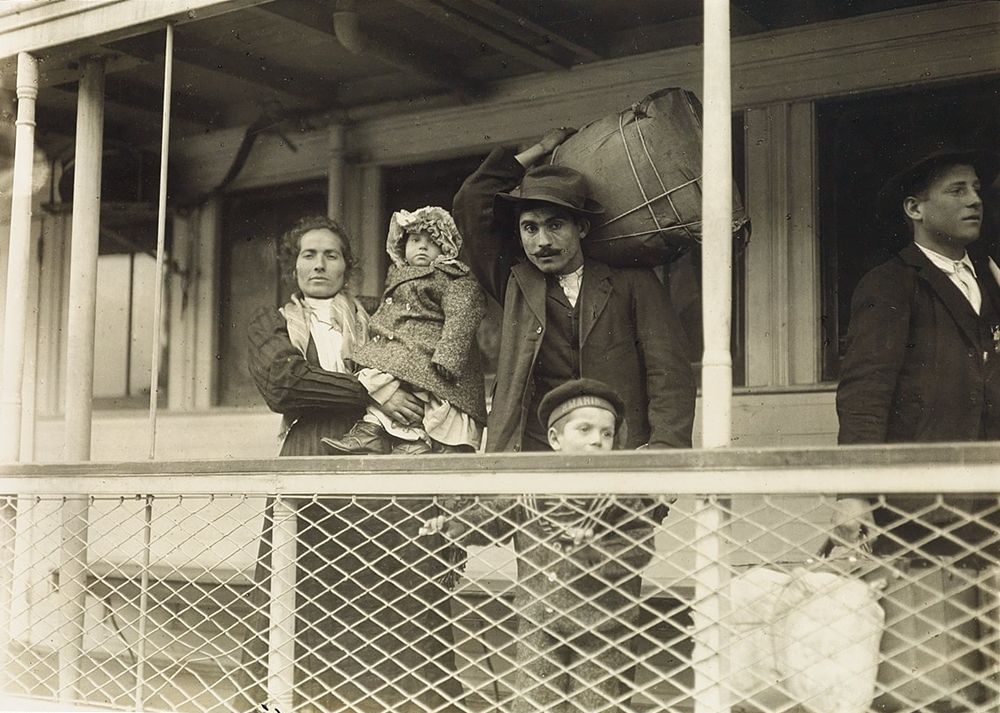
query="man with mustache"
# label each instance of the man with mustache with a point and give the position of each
(566, 316)
(923, 349)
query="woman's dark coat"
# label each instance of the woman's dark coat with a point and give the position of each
(372, 628)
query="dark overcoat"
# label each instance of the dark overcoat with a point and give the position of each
(920, 365)
(372, 628)
(630, 336)
(429, 315)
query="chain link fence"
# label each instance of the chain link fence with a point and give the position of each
(422, 603)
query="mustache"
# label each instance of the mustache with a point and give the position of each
(548, 252)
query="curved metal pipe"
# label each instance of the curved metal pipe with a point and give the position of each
(348, 31)
(347, 27)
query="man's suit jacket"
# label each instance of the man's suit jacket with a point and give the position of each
(921, 365)
(630, 336)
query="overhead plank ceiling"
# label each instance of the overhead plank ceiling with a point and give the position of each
(297, 58)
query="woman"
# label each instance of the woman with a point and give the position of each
(372, 622)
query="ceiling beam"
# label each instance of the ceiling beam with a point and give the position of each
(62, 122)
(518, 28)
(189, 50)
(453, 19)
(394, 50)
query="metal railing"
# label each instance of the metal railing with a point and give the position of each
(284, 586)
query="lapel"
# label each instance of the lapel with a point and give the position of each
(954, 301)
(532, 284)
(594, 294)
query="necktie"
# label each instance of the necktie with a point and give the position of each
(969, 286)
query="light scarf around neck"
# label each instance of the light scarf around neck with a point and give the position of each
(347, 316)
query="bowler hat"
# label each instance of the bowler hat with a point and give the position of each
(908, 181)
(559, 185)
(576, 394)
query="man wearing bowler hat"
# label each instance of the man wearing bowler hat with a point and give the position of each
(923, 348)
(566, 316)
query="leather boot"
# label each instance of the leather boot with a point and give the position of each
(410, 448)
(363, 439)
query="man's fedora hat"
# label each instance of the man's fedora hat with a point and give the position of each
(559, 185)
(910, 179)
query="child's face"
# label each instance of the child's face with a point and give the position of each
(587, 428)
(421, 248)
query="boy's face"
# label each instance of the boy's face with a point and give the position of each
(950, 211)
(421, 248)
(587, 428)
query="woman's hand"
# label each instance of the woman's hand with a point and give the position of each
(405, 408)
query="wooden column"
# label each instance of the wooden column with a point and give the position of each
(18, 260)
(80, 366)
(83, 259)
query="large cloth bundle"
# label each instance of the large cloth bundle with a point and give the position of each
(644, 166)
(804, 638)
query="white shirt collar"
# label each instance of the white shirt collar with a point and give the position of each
(570, 284)
(945, 263)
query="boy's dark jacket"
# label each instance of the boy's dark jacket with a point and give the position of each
(921, 365)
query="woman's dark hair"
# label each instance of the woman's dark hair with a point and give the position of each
(288, 247)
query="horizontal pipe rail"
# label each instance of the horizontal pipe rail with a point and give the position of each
(969, 468)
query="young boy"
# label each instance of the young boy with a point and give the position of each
(578, 565)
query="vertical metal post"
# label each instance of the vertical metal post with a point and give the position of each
(72, 593)
(711, 576)
(717, 231)
(18, 260)
(711, 582)
(161, 231)
(281, 613)
(83, 259)
(140, 644)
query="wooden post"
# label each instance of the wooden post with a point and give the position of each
(18, 260)
(80, 364)
(83, 259)
(15, 321)
(335, 173)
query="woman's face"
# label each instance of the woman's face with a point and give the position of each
(320, 266)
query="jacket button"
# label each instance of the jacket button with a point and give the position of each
(538, 331)
(388, 300)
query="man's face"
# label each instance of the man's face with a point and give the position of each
(587, 428)
(949, 213)
(550, 236)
